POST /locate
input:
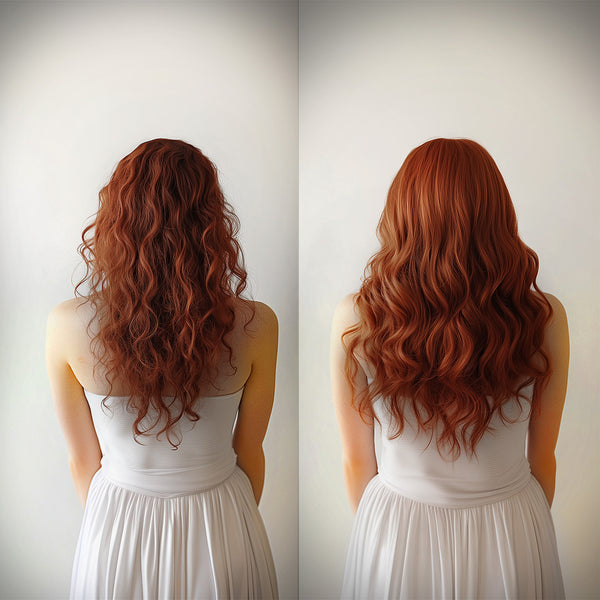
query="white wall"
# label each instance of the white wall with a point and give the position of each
(378, 79)
(82, 84)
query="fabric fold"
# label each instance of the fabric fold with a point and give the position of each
(404, 549)
(211, 544)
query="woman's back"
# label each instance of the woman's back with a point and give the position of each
(412, 464)
(77, 319)
(204, 454)
(431, 525)
(177, 511)
(449, 371)
(163, 378)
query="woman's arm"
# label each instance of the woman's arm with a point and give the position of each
(257, 400)
(358, 447)
(70, 403)
(543, 427)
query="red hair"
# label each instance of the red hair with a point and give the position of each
(165, 272)
(449, 319)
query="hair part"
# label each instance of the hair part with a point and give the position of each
(164, 271)
(451, 319)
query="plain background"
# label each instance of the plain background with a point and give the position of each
(378, 79)
(82, 84)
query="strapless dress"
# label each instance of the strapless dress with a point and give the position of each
(161, 523)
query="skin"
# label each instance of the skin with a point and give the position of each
(358, 449)
(70, 363)
(543, 427)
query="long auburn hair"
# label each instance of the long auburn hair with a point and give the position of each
(164, 271)
(448, 317)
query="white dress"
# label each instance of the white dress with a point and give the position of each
(478, 528)
(161, 523)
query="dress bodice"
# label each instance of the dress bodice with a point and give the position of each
(203, 458)
(412, 464)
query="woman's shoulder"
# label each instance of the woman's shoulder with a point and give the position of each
(558, 318)
(256, 318)
(67, 327)
(264, 313)
(557, 307)
(556, 334)
(72, 312)
(346, 312)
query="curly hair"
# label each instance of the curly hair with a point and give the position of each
(451, 319)
(164, 271)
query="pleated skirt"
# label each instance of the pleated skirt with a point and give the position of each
(210, 544)
(403, 548)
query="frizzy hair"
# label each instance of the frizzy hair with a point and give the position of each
(450, 317)
(164, 272)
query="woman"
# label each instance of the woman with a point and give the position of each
(444, 364)
(149, 372)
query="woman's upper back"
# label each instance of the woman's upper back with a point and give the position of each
(413, 465)
(76, 318)
(505, 456)
(197, 453)
(203, 455)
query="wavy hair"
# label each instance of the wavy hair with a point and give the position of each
(451, 319)
(164, 271)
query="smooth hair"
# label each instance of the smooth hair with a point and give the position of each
(164, 271)
(451, 319)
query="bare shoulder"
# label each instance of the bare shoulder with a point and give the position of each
(346, 314)
(66, 328)
(64, 310)
(262, 337)
(558, 322)
(559, 312)
(70, 313)
(556, 335)
(345, 317)
(265, 316)
(256, 320)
